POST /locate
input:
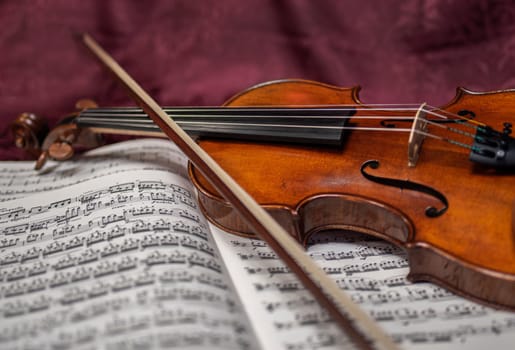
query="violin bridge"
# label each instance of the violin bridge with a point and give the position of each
(417, 136)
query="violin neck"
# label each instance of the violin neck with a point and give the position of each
(310, 125)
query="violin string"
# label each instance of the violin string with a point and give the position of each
(399, 107)
(287, 126)
(100, 116)
(193, 112)
(443, 113)
(143, 119)
(458, 131)
(345, 107)
(151, 127)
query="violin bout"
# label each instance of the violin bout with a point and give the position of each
(468, 248)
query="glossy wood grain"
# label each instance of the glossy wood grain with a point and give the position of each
(470, 249)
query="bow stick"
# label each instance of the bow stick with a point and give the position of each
(362, 330)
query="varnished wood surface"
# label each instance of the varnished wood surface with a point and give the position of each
(469, 249)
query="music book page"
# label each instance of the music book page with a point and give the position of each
(115, 256)
(373, 272)
(112, 251)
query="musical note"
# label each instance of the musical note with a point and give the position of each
(128, 248)
(14, 230)
(97, 263)
(129, 186)
(21, 179)
(374, 274)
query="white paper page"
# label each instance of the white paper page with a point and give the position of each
(18, 179)
(121, 261)
(417, 316)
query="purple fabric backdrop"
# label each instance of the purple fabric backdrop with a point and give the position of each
(188, 52)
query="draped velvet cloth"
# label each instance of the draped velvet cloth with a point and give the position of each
(186, 52)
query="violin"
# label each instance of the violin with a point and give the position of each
(438, 182)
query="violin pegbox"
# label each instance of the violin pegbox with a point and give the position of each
(31, 134)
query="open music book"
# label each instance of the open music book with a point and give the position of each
(112, 251)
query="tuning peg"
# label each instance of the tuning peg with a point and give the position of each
(85, 103)
(60, 150)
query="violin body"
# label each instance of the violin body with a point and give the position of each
(469, 248)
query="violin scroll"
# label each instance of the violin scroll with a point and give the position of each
(31, 133)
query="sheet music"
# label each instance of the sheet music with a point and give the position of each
(118, 261)
(110, 251)
(417, 316)
(18, 179)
